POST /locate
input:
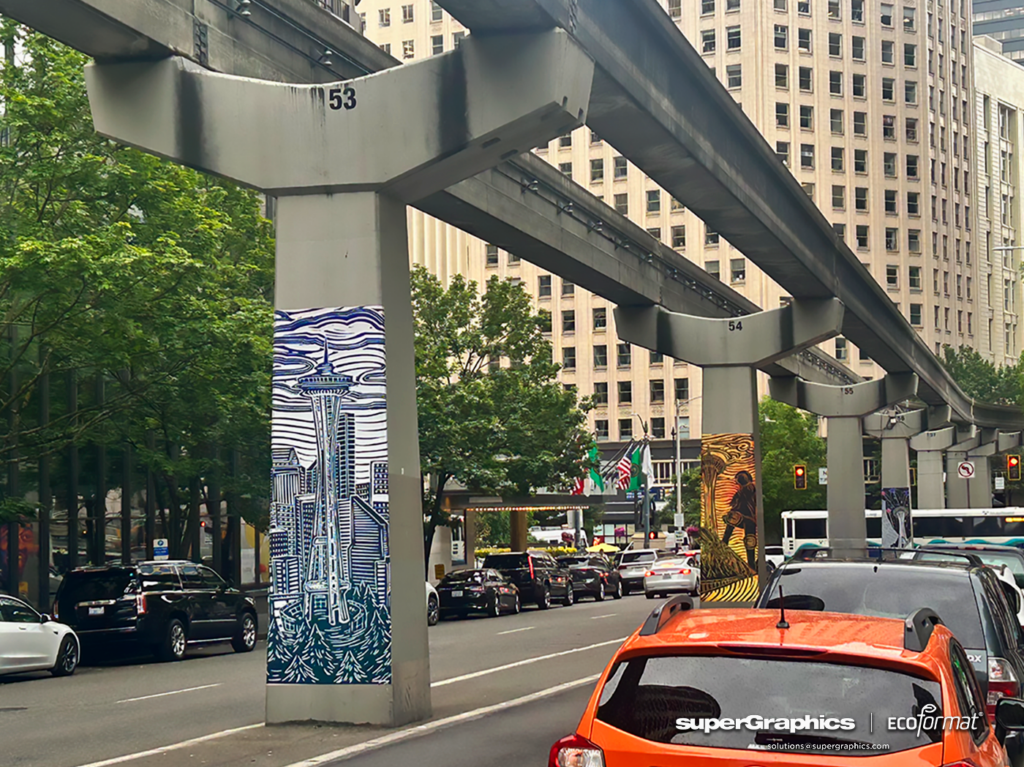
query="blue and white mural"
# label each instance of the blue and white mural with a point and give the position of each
(330, 618)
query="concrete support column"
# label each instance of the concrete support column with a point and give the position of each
(930, 445)
(347, 639)
(732, 510)
(518, 530)
(967, 439)
(844, 406)
(979, 489)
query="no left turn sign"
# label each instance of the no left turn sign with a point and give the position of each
(965, 470)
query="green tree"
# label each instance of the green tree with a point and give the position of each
(491, 410)
(117, 265)
(981, 379)
(788, 437)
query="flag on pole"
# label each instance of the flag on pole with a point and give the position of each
(595, 482)
(646, 465)
(625, 470)
(635, 468)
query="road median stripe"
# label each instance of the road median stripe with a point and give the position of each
(172, 692)
(172, 747)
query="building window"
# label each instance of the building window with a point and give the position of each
(654, 201)
(912, 129)
(513, 259)
(658, 429)
(889, 127)
(657, 392)
(860, 160)
(408, 49)
(887, 52)
(710, 236)
(781, 36)
(492, 255)
(915, 315)
(384, 17)
(568, 288)
(601, 393)
(436, 44)
(738, 267)
(407, 15)
(834, 13)
(625, 393)
(910, 92)
(621, 167)
(734, 75)
(914, 240)
(888, 89)
(782, 152)
(436, 11)
(733, 38)
(859, 86)
(807, 117)
(707, 41)
(569, 321)
(862, 236)
(806, 79)
(626, 424)
(803, 40)
(600, 356)
(457, 39)
(780, 5)
(839, 197)
(679, 237)
(912, 168)
(908, 19)
(544, 286)
(836, 121)
(841, 349)
(860, 123)
(682, 389)
(857, 48)
(566, 169)
(622, 204)
(569, 357)
(782, 76)
(857, 11)
(601, 424)
(713, 269)
(892, 239)
(707, 7)
(860, 199)
(600, 318)
(624, 356)
(837, 161)
(675, 9)
(835, 44)
(807, 156)
(886, 18)
(657, 358)
(889, 164)
(914, 277)
(913, 204)
(840, 230)
(596, 170)
(909, 54)
(835, 83)
(782, 115)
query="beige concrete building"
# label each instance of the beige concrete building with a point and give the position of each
(999, 100)
(867, 103)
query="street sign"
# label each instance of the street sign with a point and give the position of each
(965, 470)
(679, 520)
(1000, 483)
(160, 548)
(823, 475)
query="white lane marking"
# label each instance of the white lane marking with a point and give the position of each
(429, 727)
(528, 661)
(599, 617)
(172, 747)
(172, 692)
(516, 631)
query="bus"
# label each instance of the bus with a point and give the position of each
(1004, 526)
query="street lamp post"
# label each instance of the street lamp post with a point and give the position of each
(645, 480)
(678, 434)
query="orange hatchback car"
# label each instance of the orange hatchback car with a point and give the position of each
(753, 688)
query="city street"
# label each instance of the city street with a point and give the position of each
(121, 708)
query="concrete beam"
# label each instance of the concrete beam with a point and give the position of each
(1007, 441)
(843, 401)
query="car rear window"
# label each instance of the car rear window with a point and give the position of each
(676, 699)
(889, 591)
(570, 561)
(159, 578)
(475, 576)
(506, 561)
(91, 586)
(629, 557)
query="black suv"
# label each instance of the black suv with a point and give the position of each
(159, 605)
(967, 595)
(539, 577)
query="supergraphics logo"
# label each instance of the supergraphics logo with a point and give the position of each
(777, 724)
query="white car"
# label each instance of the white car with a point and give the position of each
(673, 576)
(774, 556)
(33, 642)
(433, 606)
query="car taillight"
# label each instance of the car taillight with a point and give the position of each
(685, 571)
(1002, 683)
(530, 560)
(649, 574)
(575, 751)
(140, 604)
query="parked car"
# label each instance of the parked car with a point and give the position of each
(30, 641)
(673, 576)
(686, 670)
(539, 578)
(633, 565)
(966, 594)
(484, 591)
(774, 556)
(161, 606)
(593, 576)
(433, 606)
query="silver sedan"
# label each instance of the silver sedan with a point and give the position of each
(672, 576)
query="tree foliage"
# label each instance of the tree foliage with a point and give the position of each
(983, 380)
(118, 266)
(491, 411)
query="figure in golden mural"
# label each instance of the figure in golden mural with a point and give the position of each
(743, 514)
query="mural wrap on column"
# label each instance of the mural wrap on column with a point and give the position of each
(728, 519)
(330, 618)
(897, 525)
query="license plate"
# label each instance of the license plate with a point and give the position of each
(456, 593)
(95, 611)
(667, 577)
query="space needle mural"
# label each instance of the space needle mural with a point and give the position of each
(330, 600)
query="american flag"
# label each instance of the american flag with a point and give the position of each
(625, 468)
(577, 487)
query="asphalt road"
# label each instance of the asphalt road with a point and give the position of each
(122, 707)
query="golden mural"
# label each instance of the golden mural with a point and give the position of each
(728, 519)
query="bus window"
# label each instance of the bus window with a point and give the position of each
(937, 527)
(1013, 527)
(811, 529)
(987, 526)
(874, 527)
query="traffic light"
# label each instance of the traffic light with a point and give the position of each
(800, 477)
(1013, 468)
(652, 535)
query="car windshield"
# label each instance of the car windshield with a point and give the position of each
(887, 591)
(506, 561)
(632, 557)
(672, 699)
(465, 576)
(91, 586)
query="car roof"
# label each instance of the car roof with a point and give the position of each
(861, 562)
(748, 629)
(976, 547)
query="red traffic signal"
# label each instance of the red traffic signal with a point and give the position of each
(653, 535)
(800, 477)
(1013, 468)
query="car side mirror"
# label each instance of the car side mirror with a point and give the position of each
(1012, 596)
(44, 618)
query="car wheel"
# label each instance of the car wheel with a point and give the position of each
(600, 592)
(545, 598)
(618, 590)
(495, 609)
(649, 594)
(245, 639)
(433, 611)
(570, 597)
(67, 658)
(172, 647)
(517, 608)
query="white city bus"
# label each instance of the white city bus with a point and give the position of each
(1005, 526)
